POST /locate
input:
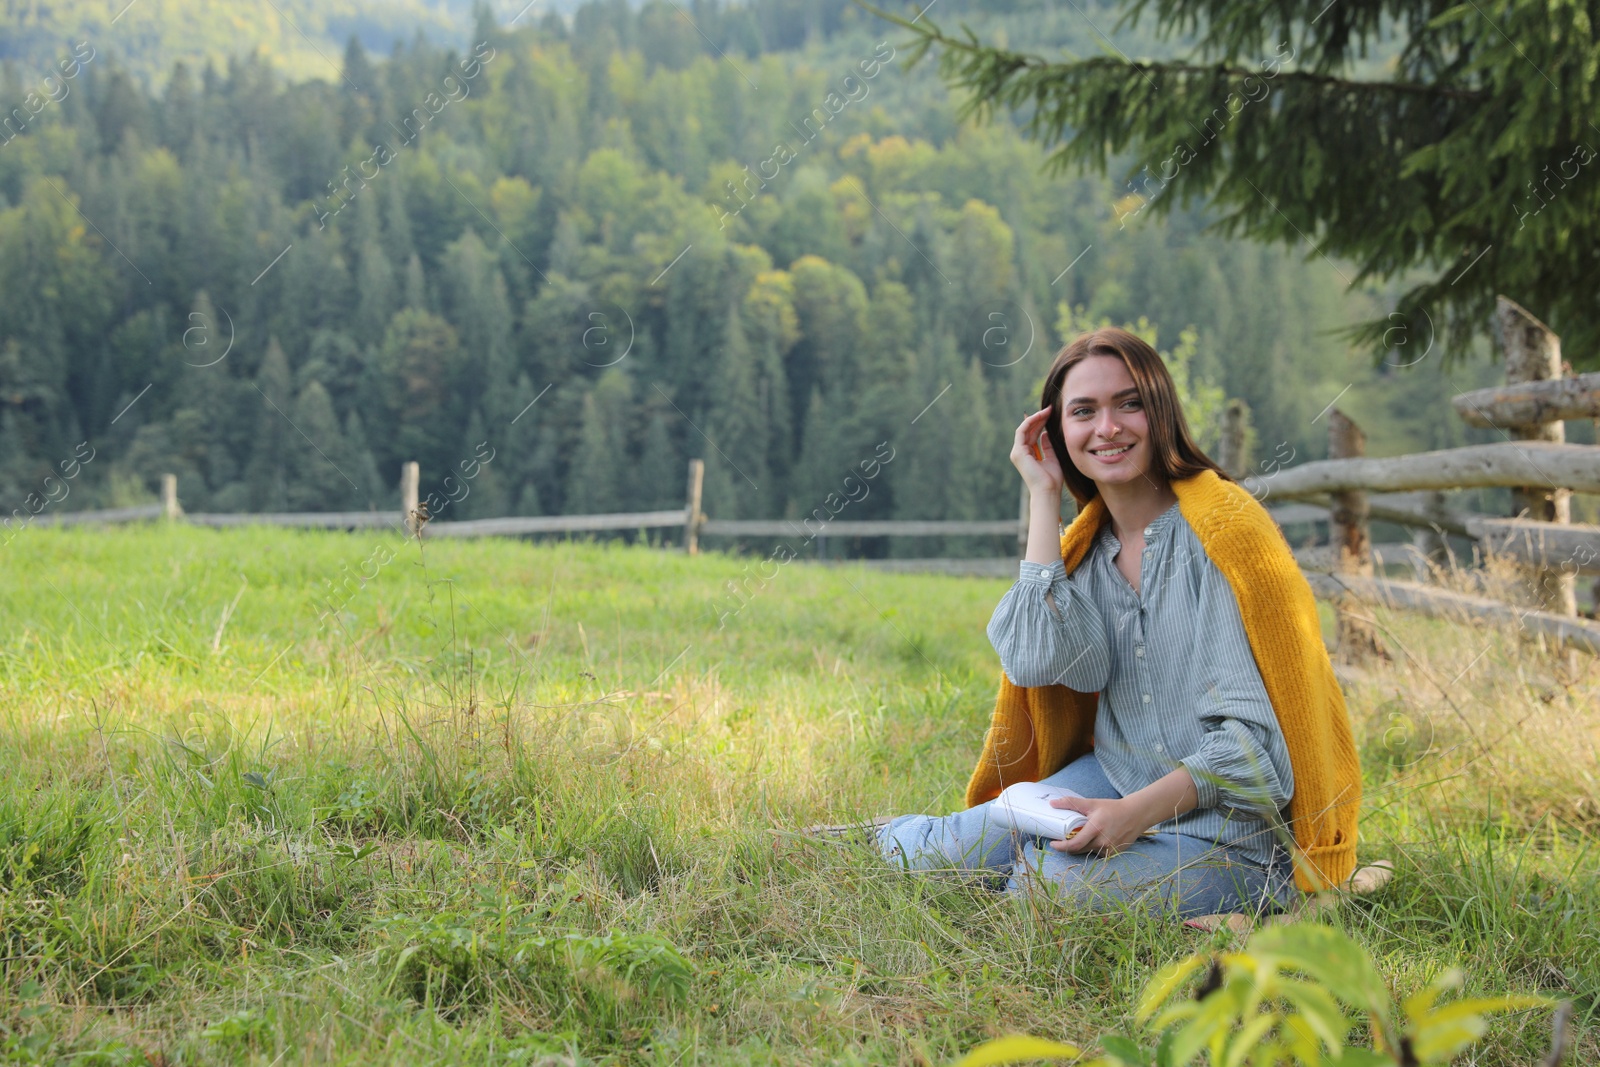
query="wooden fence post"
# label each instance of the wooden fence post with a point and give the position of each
(1429, 544)
(692, 515)
(169, 497)
(409, 478)
(1233, 451)
(1533, 354)
(1357, 641)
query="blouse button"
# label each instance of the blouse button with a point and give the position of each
(1148, 530)
(1138, 650)
(1147, 698)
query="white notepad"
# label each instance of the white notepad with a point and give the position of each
(1025, 807)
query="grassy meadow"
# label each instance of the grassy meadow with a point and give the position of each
(514, 803)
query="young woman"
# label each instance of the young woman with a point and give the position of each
(1162, 659)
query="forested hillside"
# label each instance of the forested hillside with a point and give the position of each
(299, 37)
(601, 248)
(148, 36)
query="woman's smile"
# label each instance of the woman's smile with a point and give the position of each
(1111, 453)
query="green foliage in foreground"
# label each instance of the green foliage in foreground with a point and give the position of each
(515, 804)
(1239, 1015)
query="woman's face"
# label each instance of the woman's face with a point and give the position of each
(1101, 413)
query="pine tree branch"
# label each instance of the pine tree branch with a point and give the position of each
(999, 65)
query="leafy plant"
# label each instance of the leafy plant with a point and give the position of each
(239, 1028)
(42, 845)
(1282, 1001)
(645, 961)
(456, 957)
(348, 853)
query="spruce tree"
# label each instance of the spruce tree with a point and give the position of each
(515, 440)
(477, 471)
(416, 293)
(831, 304)
(201, 393)
(528, 502)
(552, 324)
(1466, 158)
(821, 461)
(737, 481)
(267, 476)
(15, 480)
(475, 301)
(317, 475)
(398, 240)
(415, 383)
(598, 478)
(660, 481)
(377, 293)
(356, 90)
(983, 302)
(772, 328)
(977, 482)
(373, 491)
(884, 404)
(925, 449)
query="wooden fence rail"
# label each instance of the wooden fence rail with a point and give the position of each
(1413, 510)
(1458, 607)
(859, 528)
(541, 524)
(324, 520)
(105, 515)
(1574, 547)
(1505, 464)
(631, 520)
(1529, 403)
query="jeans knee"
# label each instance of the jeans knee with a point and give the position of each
(926, 842)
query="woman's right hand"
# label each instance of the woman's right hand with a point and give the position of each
(1041, 470)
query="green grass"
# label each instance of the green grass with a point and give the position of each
(513, 805)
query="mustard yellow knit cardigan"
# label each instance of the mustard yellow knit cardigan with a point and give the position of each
(1038, 730)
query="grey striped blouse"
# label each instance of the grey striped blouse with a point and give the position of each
(1178, 683)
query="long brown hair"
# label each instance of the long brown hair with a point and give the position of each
(1175, 455)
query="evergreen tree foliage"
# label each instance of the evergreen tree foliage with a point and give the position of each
(659, 485)
(738, 483)
(1469, 156)
(372, 489)
(272, 461)
(598, 479)
(315, 477)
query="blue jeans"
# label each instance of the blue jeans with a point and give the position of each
(1161, 871)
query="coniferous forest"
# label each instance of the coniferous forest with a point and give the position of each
(591, 248)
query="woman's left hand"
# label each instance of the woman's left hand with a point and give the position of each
(1113, 824)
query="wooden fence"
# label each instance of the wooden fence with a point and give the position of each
(1536, 463)
(412, 519)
